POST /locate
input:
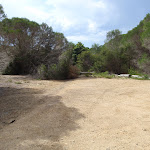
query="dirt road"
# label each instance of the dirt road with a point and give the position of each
(81, 114)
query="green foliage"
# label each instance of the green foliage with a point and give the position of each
(2, 13)
(13, 68)
(133, 36)
(78, 49)
(116, 61)
(96, 48)
(125, 51)
(37, 49)
(114, 34)
(145, 36)
(31, 45)
(42, 72)
(133, 71)
(18, 83)
(113, 40)
(19, 26)
(21, 64)
(144, 59)
(85, 60)
(142, 77)
(146, 77)
(10, 69)
(146, 26)
(62, 70)
(99, 66)
(104, 75)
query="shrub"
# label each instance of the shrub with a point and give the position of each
(42, 72)
(61, 71)
(73, 72)
(145, 77)
(132, 71)
(12, 68)
(104, 75)
(86, 60)
(144, 59)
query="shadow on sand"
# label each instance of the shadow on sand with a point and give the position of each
(40, 122)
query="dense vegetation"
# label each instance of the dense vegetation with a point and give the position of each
(36, 49)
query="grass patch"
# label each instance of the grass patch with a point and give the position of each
(18, 83)
(104, 75)
(9, 81)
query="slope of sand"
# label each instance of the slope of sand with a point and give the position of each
(81, 114)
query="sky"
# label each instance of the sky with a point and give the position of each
(86, 21)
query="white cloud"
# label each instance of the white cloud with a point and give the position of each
(38, 14)
(92, 26)
(80, 20)
(93, 38)
(76, 38)
(78, 13)
(100, 4)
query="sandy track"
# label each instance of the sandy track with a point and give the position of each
(82, 114)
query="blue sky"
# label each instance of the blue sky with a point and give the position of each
(86, 21)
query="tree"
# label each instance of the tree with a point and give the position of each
(86, 60)
(50, 45)
(31, 44)
(145, 37)
(96, 48)
(2, 13)
(113, 39)
(78, 49)
(19, 35)
(112, 35)
(2, 16)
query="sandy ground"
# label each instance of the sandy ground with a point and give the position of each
(81, 114)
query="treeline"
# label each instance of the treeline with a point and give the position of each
(36, 49)
(121, 53)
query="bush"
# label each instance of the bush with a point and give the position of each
(42, 72)
(13, 68)
(132, 71)
(86, 61)
(73, 72)
(61, 71)
(145, 77)
(20, 65)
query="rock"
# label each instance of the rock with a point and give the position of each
(124, 75)
(136, 76)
